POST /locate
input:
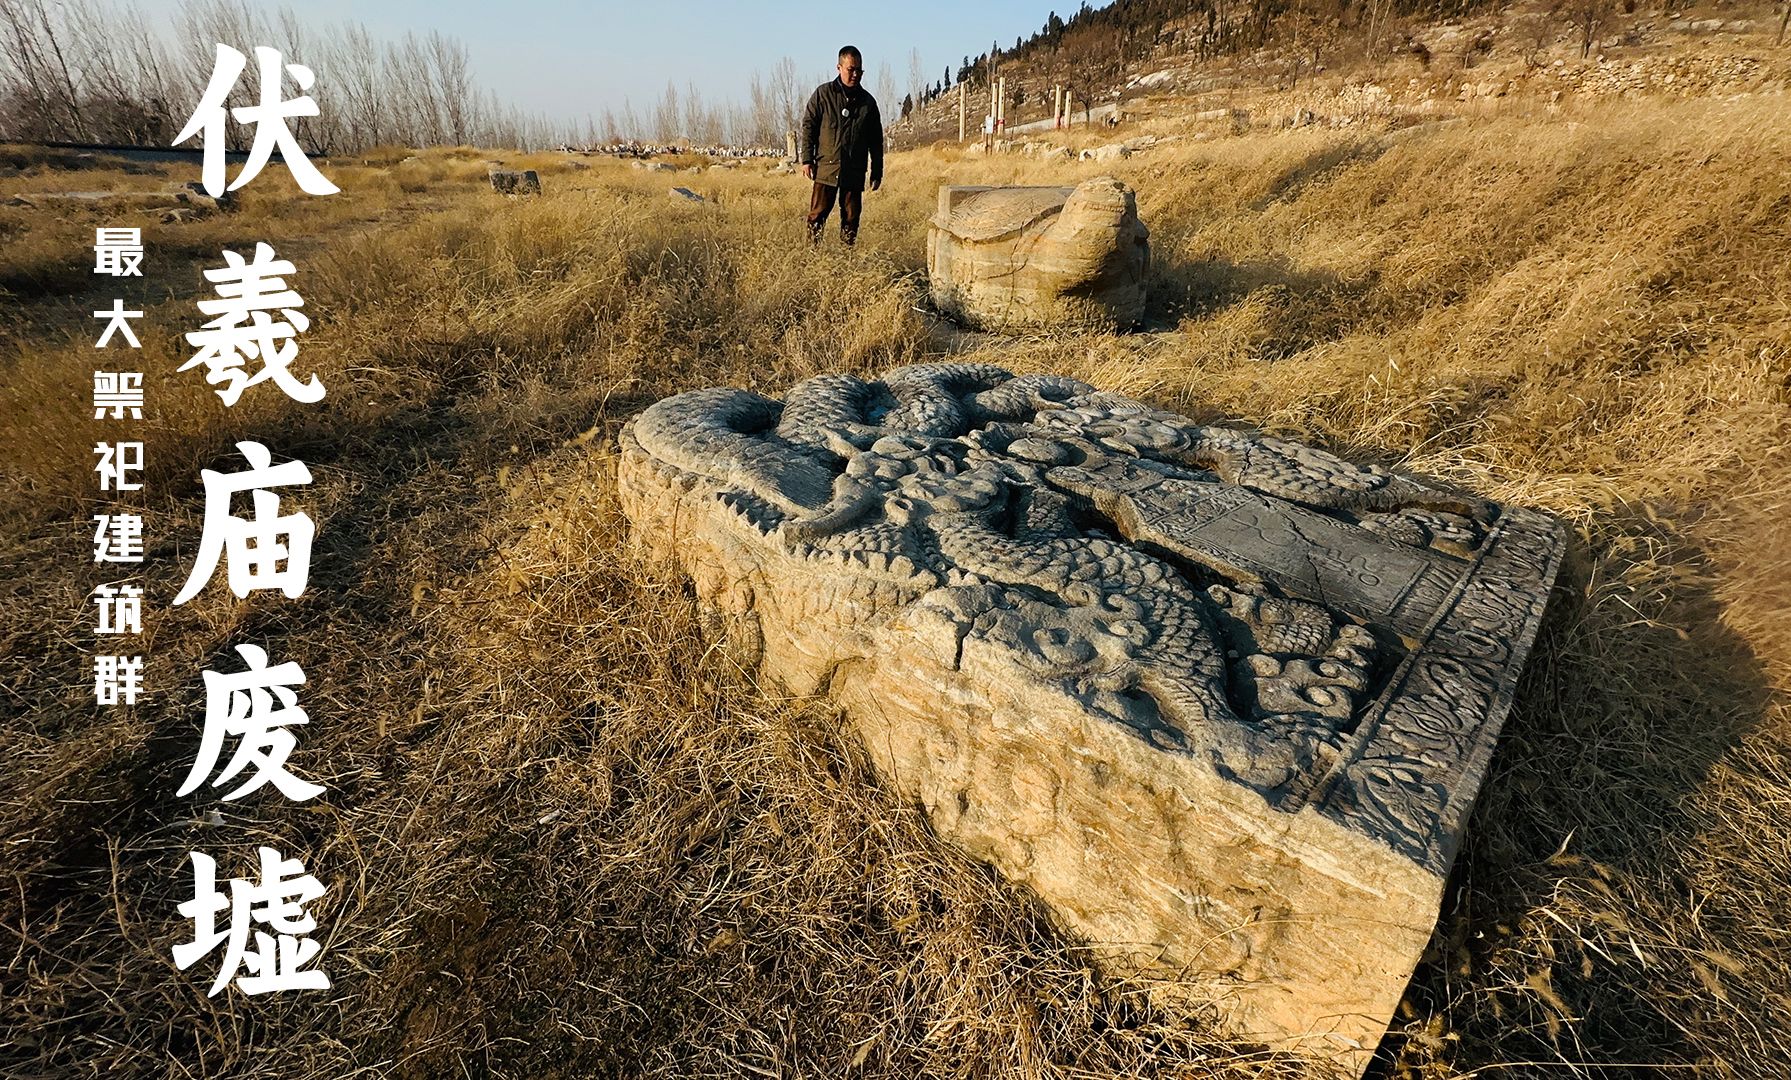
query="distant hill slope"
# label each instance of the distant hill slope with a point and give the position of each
(1351, 64)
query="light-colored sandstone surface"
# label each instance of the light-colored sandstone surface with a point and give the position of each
(1019, 258)
(1223, 701)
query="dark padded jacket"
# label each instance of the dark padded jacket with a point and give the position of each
(842, 133)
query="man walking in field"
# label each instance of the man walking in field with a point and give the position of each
(842, 135)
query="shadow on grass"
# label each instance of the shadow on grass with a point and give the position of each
(1635, 690)
(1289, 309)
(1293, 180)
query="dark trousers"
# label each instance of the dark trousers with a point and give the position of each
(820, 204)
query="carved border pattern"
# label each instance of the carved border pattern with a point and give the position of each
(1440, 715)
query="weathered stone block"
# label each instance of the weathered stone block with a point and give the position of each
(1017, 258)
(1110, 152)
(511, 182)
(194, 194)
(1223, 701)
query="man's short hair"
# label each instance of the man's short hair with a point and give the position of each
(852, 51)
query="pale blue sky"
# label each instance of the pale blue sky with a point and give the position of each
(565, 59)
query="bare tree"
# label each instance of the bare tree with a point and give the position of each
(85, 70)
(886, 87)
(766, 127)
(34, 110)
(630, 121)
(665, 116)
(452, 70)
(694, 121)
(40, 86)
(61, 74)
(491, 123)
(784, 91)
(206, 24)
(415, 71)
(151, 76)
(702, 123)
(1587, 18)
(106, 84)
(708, 130)
(738, 124)
(400, 100)
(355, 73)
(298, 43)
(1379, 13)
(917, 78)
(1085, 68)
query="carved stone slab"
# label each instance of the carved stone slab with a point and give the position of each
(1223, 701)
(1018, 258)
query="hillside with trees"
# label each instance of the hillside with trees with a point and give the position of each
(1134, 50)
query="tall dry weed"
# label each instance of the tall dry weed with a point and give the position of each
(566, 835)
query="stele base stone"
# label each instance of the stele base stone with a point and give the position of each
(1223, 701)
(1027, 258)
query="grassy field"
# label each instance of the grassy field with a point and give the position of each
(564, 837)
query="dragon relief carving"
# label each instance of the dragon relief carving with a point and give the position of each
(1220, 593)
(1223, 700)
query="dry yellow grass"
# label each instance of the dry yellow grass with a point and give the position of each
(564, 837)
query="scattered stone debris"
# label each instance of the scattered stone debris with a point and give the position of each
(191, 199)
(1676, 75)
(687, 195)
(193, 194)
